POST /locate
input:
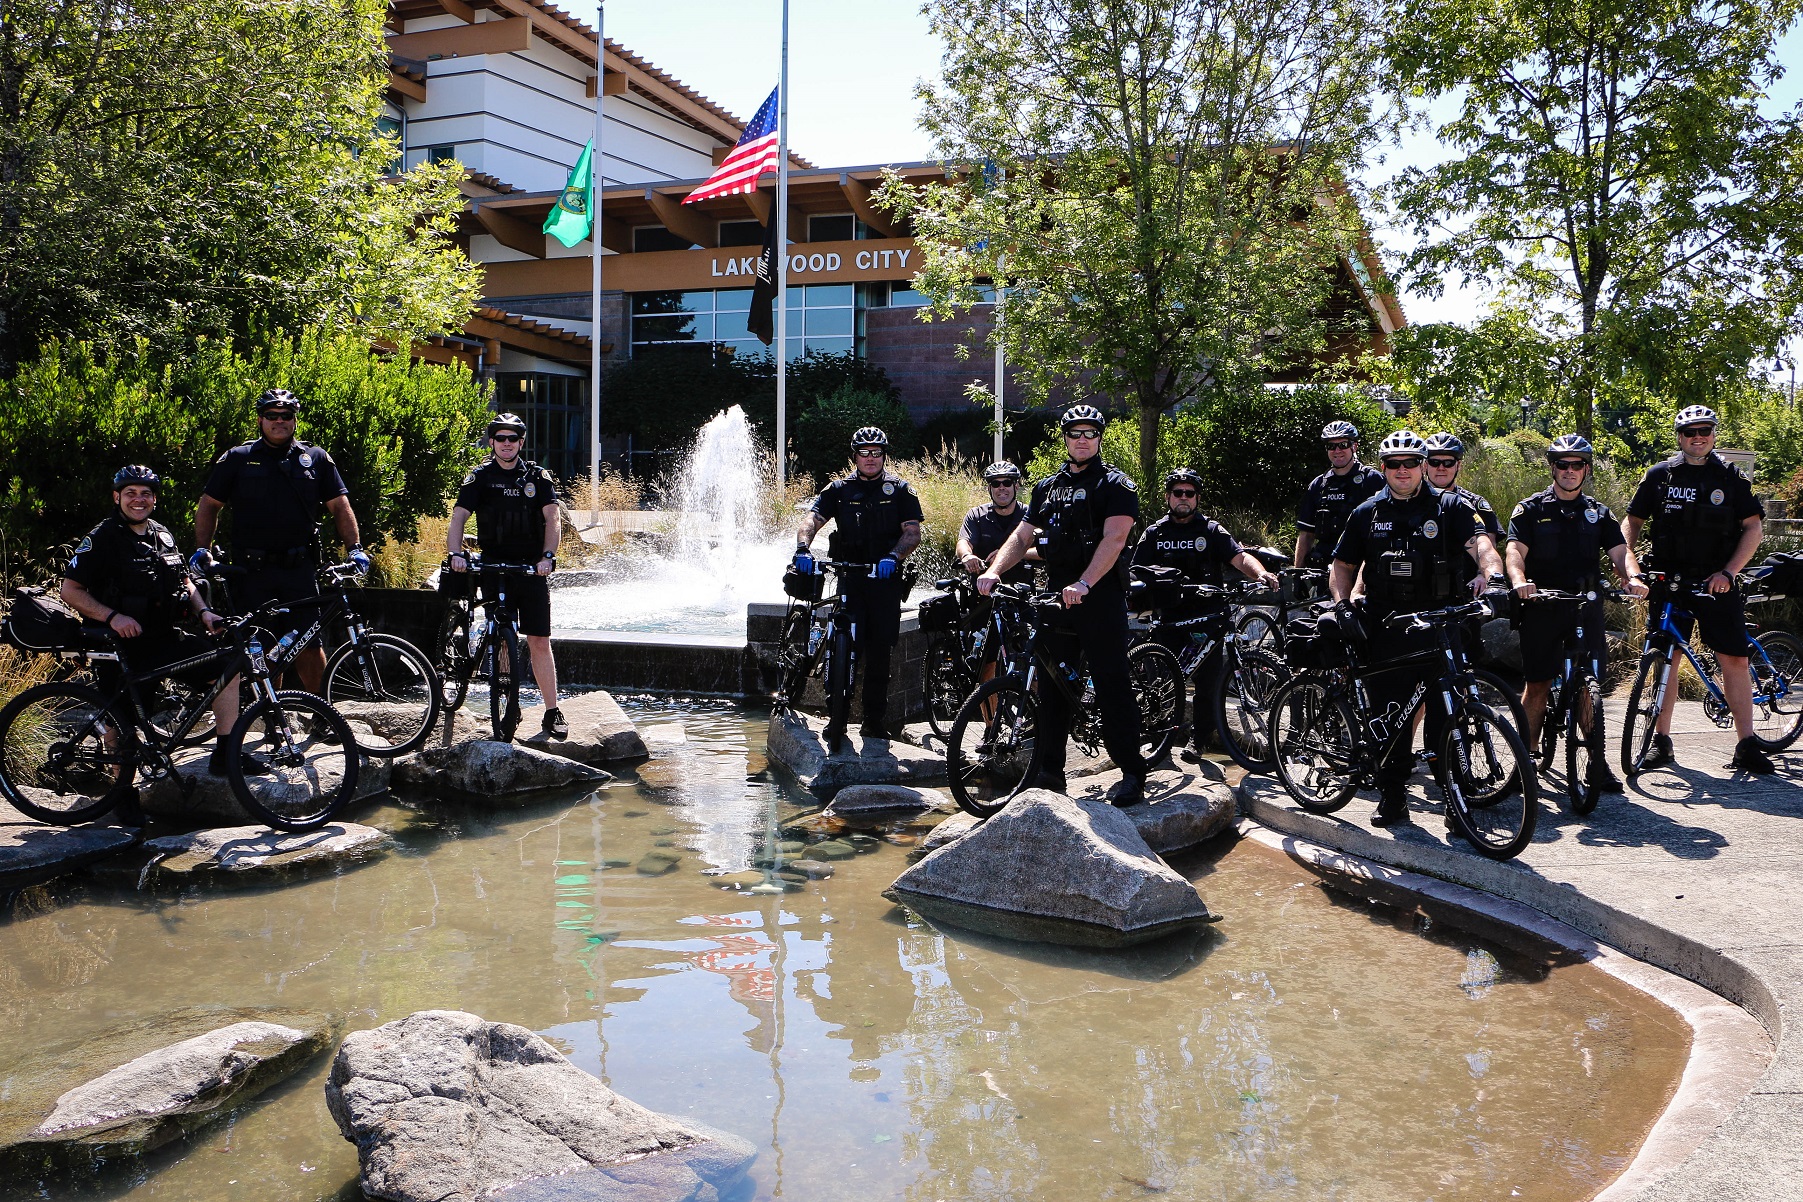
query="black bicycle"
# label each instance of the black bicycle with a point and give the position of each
(1574, 703)
(1260, 621)
(1329, 738)
(961, 652)
(993, 751)
(68, 752)
(820, 638)
(489, 648)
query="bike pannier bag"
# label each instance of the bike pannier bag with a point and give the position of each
(938, 612)
(1781, 575)
(1162, 587)
(454, 585)
(803, 588)
(39, 621)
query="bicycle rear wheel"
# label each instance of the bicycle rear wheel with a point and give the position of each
(1247, 682)
(310, 754)
(1478, 753)
(1777, 689)
(1158, 688)
(993, 749)
(1585, 754)
(945, 681)
(456, 658)
(1258, 628)
(1641, 723)
(792, 662)
(1314, 744)
(388, 683)
(504, 681)
(65, 756)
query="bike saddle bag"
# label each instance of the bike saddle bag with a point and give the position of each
(455, 585)
(1326, 637)
(39, 621)
(938, 612)
(1155, 587)
(803, 587)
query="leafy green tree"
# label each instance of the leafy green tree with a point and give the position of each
(823, 430)
(186, 167)
(1615, 179)
(1161, 181)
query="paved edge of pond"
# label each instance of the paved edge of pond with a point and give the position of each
(1697, 870)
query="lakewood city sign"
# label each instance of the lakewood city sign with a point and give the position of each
(865, 261)
(816, 263)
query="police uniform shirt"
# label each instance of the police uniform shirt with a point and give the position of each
(1432, 521)
(509, 504)
(868, 514)
(140, 575)
(1330, 499)
(1562, 539)
(1199, 548)
(1696, 511)
(1070, 509)
(276, 493)
(986, 530)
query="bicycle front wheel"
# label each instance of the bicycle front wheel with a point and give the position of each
(792, 663)
(1777, 689)
(389, 684)
(1257, 628)
(504, 682)
(1244, 688)
(1585, 754)
(1480, 754)
(945, 681)
(310, 757)
(1314, 744)
(841, 678)
(1158, 689)
(65, 756)
(993, 749)
(1651, 680)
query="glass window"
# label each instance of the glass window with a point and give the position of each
(873, 296)
(730, 326)
(832, 346)
(440, 154)
(732, 300)
(673, 302)
(905, 298)
(689, 327)
(741, 233)
(656, 237)
(831, 322)
(835, 228)
(820, 295)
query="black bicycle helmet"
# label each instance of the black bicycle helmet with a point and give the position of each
(277, 398)
(869, 436)
(1183, 475)
(1446, 444)
(1335, 431)
(1567, 445)
(1079, 414)
(1001, 469)
(137, 473)
(506, 421)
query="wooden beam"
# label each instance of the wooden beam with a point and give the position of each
(526, 340)
(612, 84)
(510, 231)
(760, 203)
(857, 195)
(407, 87)
(463, 41)
(457, 8)
(684, 223)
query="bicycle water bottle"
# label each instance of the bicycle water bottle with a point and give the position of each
(814, 637)
(982, 637)
(281, 648)
(254, 649)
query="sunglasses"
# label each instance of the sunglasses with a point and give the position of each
(1181, 492)
(1004, 483)
(1338, 446)
(876, 454)
(1696, 431)
(1083, 434)
(1397, 465)
(505, 437)
(1570, 465)
(1442, 463)
(278, 415)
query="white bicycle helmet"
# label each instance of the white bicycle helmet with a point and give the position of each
(1402, 442)
(1335, 431)
(1692, 415)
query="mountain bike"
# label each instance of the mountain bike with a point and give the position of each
(993, 750)
(820, 637)
(1234, 699)
(1260, 623)
(1330, 739)
(961, 653)
(69, 751)
(489, 648)
(1574, 702)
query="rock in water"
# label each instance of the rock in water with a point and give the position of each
(794, 741)
(253, 852)
(31, 851)
(212, 802)
(600, 731)
(1181, 815)
(887, 801)
(487, 770)
(1054, 870)
(447, 1107)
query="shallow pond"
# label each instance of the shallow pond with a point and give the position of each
(1309, 1047)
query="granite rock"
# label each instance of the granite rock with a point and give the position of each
(600, 732)
(487, 770)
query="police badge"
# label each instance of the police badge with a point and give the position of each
(1716, 497)
(1431, 528)
(888, 488)
(531, 488)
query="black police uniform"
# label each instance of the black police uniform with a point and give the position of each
(1694, 514)
(509, 505)
(1068, 512)
(1563, 542)
(1413, 555)
(868, 516)
(277, 495)
(1485, 514)
(1199, 548)
(143, 576)
(1327, 502)
(986, 530)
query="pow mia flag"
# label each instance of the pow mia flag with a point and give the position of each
(762, 318)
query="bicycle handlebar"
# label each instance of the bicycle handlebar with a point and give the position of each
(1602, 592)
(1442, 617)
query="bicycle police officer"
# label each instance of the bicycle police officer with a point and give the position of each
(517, 521)
(877, 521)
(1445, 458)
(1706, 527)
(1556, 537)
(127, 575)
(276, 485)
(986, 527)
(1200, 548)
(1407, 546)
(1079, 519)
(1332, 495)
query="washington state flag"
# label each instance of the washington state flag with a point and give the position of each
(572, 218)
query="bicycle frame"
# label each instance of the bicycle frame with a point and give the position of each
(1665, 632)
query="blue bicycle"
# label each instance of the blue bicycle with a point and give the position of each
(1775, 661)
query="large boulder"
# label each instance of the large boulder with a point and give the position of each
(600, 732)
(870, 803)
(393, 721)
(211, 801)
(487, 770)
(1054, 870)
(795, 742)
(255, 853)
(31, 852)
(133, 1089)
(445, 1106)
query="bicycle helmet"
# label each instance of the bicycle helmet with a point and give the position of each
(1183, 475)
(137, 473)
(1567, 445)
(1446, 444)
(1693, 415)
(1402, 442)
(1001, 469)
(1078, 414)
(506, 421)
(869, 436)
(277, 398)
(1335, 431)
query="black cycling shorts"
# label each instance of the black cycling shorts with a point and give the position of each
(530, 597)
(1544, 629)
(1720, 621)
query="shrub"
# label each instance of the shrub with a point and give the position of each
(822, 440)
(948, 486)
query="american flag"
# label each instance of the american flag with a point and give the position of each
(754, 155)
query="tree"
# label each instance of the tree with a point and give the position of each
(175, 168)
(1162, 181)
(1615, 178)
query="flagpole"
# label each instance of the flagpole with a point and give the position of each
(1000, 294)
(594, 338)
(781, 219)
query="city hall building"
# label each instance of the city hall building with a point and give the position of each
(508, 88)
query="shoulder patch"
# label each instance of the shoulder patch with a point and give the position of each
(470, 476)
(1521, 507)
(86, 544)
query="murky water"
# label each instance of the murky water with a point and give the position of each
(1309, 1047)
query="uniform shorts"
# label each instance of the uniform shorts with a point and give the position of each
(1544, 629)
(263, 585)
(530, 597)
(157, 648)
(1721, 621)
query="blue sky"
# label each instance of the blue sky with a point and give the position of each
(852, 73)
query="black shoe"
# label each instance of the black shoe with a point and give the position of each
(878, 729)
(126, 811)
(1051, 781)
(253, 765)
(834, 738)
(1130, 790)
(1750, 757)
(555, 724)
(1603, 780)
(1660, 754)
(1392, 806)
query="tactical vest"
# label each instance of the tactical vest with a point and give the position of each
(1410, 565)
(1072, 532)
(275, 505)
(1339, 497)
(866, 526)
(1699, 538)
(516, 522)
(1566, 546)
(1184, 547)
(149, 581)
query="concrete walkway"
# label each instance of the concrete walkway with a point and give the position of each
(1698, 870)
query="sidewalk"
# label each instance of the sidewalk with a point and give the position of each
(1698, 870)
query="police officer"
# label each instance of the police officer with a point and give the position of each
(1706, 528)
(1332, 495)
(986, 527)
(517, 521)
(127, 575)
(1079, 519)
(1407, 545)
(1445, 459)
(1197, 546)
(1556, 539)
(877, 520)
(276, 485)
